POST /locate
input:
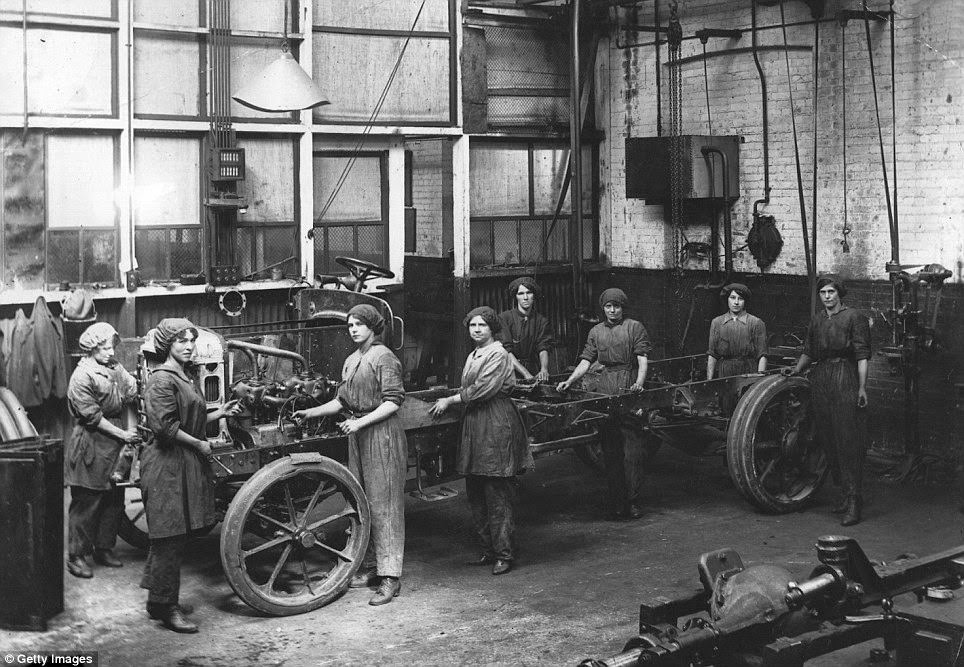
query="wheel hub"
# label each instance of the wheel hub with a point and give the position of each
(306, 538)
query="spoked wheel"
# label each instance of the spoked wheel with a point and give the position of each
(133, 523)
(295, 535)
(771, 449)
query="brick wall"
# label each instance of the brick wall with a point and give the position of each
(427, 184)
(930, 134)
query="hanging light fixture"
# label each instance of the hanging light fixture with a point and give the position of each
(283, 85)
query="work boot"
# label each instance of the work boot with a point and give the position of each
(501, 566)
(157, 610)
(389, 588)
(483, 559)
(363, 579)
(77, 566)
(106, 558)
(172, 618)
(851, 514)
(634, 511)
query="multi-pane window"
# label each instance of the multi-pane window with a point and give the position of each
(268, 231)
(350, 208)
(514, 193)
(167, 206)
(58, 216)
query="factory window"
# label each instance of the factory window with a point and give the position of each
(167, 206)
(514, 192)
(69, 72)
(268, 231)
(58, 215)
(350, 208)
(363, 46)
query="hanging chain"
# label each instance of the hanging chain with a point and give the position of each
(845, 243)
(674, 38)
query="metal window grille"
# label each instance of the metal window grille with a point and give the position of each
(528, 77)
(263, 244)
(364, 241)
(164, 253)
(523, 241)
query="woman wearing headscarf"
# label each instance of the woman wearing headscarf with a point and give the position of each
(177, 482)
(493, 445)
(370, 393)
(622, 346)
(97, 393)
(738, 340)
(525, 332)
(838, 343)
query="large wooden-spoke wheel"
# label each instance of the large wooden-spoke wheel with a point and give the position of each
(295, 534)
(771, 449)
(133, 522)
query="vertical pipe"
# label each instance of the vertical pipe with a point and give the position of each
(575, 156)
(659, 92)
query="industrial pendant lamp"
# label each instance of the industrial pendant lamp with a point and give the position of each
(283, 85)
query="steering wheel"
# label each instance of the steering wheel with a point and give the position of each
(362, 270)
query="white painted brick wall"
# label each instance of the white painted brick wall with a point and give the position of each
(427, 195)
(930, 134)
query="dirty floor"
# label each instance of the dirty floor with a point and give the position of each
(574, 594)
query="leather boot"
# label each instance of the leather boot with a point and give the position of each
(363, 579)
(501, 566)
(106, 558)
(157, 610)
(172, 618)
(851, 513)
(77, 566)
(388, 589)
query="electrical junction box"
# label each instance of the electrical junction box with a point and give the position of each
(648, 167)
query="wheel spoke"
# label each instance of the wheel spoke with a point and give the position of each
(289, 503)
(269, 585)
(304, 573)
(267, 545)
(349, 511)
(316, 496)
(265, 517)
(768, 469)
(341, 554)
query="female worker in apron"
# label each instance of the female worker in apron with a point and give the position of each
(370, 393)
(493, 446)
(98, 390)
(838, 342)
(622, 346)
(738, 340)
(177, 482)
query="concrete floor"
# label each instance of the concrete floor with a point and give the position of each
(574, 594)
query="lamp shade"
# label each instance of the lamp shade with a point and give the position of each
(281, 86)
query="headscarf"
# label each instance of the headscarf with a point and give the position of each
(739, 288)
(368, 315)
(488, 315)
(613, 294)
(832, 279)
(94, 335)
(530, 284)
(167, 330)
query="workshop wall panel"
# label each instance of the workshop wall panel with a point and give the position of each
(168, 78)
(396, 15)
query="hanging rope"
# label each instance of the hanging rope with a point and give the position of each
(894, 241)
(893, 108)
(26, 121)
(796, 153)
(813, 193)
(371, 122)
(845, 244)
(706, 89)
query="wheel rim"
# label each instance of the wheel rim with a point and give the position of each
(300, 539)
(787, 461)
(133, 527)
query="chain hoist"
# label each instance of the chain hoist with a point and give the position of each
(674, 39)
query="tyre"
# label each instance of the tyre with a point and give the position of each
(771, 450)
(295, 534)
(133, 523)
